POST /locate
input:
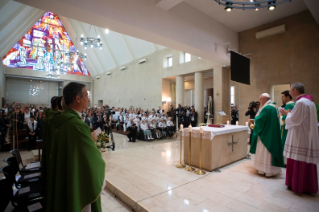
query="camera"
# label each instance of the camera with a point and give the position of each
(252, 104)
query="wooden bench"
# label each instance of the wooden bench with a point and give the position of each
(22, 134)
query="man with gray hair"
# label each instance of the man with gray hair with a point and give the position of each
(302, 143)
(266, 142)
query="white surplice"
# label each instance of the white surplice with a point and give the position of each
(262, 161)
(302, 143)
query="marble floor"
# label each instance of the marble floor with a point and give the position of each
(145, 177)
(145, 172)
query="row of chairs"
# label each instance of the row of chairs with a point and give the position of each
(22, 186)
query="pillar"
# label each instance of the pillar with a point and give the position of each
(2, 84)
(199, 96)
(179, 90)
(221, 93)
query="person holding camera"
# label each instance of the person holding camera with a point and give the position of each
(252, 110)
(234, 115)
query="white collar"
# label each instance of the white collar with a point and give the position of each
(290, 102)
(300, 96)
(79, 113)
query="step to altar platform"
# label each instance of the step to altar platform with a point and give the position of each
(146, 179)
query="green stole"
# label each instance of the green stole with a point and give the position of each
(268, 129)
(284, 132)
(76, 166)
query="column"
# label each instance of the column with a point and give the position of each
(199, 96)
(179, 90)
(221, 93)
(2, 84)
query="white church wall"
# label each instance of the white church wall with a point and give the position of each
(141, 85)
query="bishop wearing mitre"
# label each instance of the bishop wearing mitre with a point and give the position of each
(266, 141)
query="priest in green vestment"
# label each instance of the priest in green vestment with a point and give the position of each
(266, 142)
(76, 168)
(289, 105)
(49, 133)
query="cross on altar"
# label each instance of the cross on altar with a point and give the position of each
(232, 143)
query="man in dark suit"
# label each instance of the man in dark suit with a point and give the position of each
(98, 121)
(132, 133)
(32, 129)
(179, 115)
(193, 117)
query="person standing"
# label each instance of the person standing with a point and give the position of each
(76, 168)
(302, 144)
(32, 129)
(265, 142)
(234, 115)
(289, 105)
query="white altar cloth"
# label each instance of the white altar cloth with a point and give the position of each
(211, 132)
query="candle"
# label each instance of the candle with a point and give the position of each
(236, 122)
(190, 128)
(246, 124)
(201, 129)
(181, 127)
(227, 122)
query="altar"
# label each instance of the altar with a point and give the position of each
(220, 146)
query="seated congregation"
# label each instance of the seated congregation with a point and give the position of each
(138, 124)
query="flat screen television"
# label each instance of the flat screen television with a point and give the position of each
(239, 68)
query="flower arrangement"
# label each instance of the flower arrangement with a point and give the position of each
(101, 141)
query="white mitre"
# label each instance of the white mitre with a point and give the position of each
(266, 95)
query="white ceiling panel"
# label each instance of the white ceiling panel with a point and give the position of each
(119, 48)
(139, 48)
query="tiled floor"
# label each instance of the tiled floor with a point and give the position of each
(146, 172)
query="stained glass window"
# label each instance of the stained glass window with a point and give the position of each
(46, 47)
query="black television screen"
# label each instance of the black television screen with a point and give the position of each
(239, 68)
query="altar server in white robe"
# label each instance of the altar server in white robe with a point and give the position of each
(302, 143)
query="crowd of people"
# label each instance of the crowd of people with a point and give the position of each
(22, 117)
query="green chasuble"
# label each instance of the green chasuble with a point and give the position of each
(48, 135)
(289, 106)
(76, 168)
(317, 108)
(268, 129)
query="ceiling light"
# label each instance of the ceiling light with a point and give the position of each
(40, 81)
(107, 31)
(84, 47)
(271, 5)
(228, 8)
(30, 80)
(81, 35)
(256, 9)
(98, 36)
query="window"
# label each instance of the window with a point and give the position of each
(187, 57)
(232, 95)
(169, 61)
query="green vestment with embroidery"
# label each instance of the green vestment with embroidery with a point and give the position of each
(267, 128)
